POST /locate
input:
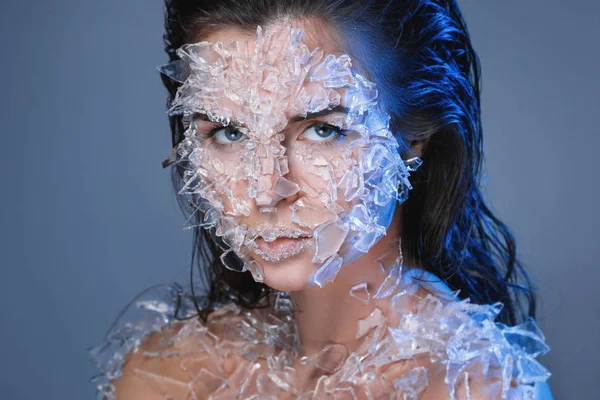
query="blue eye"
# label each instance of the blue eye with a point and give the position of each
(322, 132)
(227, 135)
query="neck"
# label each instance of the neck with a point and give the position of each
(330, 314)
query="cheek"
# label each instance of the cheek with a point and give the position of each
(223, 173)
(237, 205)
(309, 168)
(325, 169)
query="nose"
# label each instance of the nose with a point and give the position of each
(274, 183)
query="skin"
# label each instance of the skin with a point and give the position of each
(330, 308)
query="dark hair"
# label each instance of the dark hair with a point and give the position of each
(419, 53)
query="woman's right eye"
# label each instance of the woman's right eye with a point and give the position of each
(227, 135)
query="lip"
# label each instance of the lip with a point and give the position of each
(270, 233)
(277, 243)
(280, 248)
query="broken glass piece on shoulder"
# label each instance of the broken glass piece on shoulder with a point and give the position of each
(413, 382)
(376, 318)
(329, 359)
(254, 351)
(528, 337)
(164, 386)
(390, 284)
(206, 383)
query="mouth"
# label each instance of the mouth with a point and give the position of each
(275, 244)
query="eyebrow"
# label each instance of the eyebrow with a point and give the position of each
(322, 113)
(296, 118)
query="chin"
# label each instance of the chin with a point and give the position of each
(289, 275)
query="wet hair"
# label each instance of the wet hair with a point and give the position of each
(420, 55)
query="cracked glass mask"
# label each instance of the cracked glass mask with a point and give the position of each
(288, 155)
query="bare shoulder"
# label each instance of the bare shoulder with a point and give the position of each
(480, 390)
(473, 385)
(167, 361)
(146, 376)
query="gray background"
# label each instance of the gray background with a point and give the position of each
(89, 218)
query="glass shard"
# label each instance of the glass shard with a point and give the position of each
(327, 272)
(286, 188)
(329, 238)
(360, 292)
(256, 270)
(309, 216)
(330, 359)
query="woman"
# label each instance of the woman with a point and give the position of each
(328, 272)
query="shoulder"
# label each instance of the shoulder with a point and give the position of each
(473, 386)
(137, 356)
(472, 355)
(489, 360)
(145, 375)
(168, 363)
(477, 386)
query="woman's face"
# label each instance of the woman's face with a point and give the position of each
(291, 157)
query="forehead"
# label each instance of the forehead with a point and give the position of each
(298, 68)
(317, 34)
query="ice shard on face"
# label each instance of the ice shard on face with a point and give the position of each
(285, 187)
(256, 270)
(327, 272)
(310, 216)
(329, 238)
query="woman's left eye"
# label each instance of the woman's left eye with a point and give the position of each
(321, 132)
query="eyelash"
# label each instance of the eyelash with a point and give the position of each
(213, 143)
(341, 134)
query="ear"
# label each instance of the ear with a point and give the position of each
(417, 147)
